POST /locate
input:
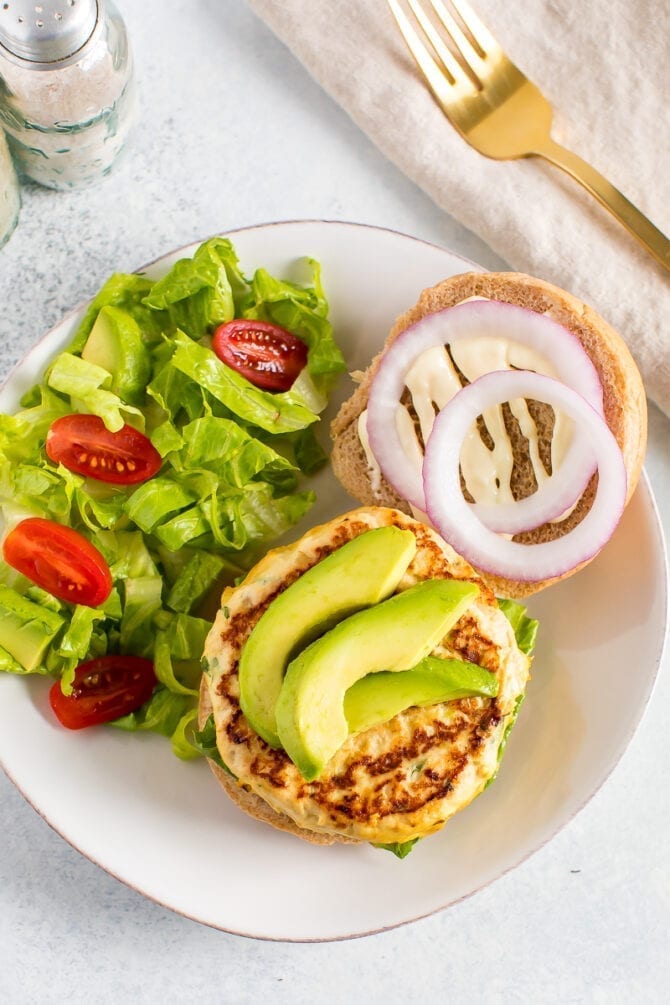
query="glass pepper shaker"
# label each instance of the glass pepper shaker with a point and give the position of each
(9, 193)
(67, 95)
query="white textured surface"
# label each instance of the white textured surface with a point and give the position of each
(234, 132)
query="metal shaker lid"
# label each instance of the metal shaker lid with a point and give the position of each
(45, 31)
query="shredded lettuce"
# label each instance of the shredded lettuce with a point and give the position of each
(232, 479)
(525, 632)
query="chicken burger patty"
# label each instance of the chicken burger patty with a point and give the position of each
(394, 782)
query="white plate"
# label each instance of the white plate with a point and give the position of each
(166, 829)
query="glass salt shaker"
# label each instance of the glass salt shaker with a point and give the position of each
(9, 193)
(67, 94)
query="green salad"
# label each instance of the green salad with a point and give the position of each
(218, 474)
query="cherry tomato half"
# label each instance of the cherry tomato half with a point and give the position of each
(59, 560)
(103, 689)
(82, 443)
(267, 355)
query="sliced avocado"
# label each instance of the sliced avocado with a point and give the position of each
(393, 636)
(363, 571)
(379, 696)
(26, 628)
(116, 344)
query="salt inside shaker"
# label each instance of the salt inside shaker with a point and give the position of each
(9, 193)
(67, 96)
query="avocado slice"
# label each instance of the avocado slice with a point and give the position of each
(116, 344)
(379, 696)
(392, 636)
(362, 572)
(26, 629)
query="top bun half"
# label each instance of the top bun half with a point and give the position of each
(624, 400)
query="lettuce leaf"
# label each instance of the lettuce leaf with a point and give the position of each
(303, 311)
(275, 413)
(204, 742)
(233, 455)
(86, 385)
(127, 554)
(22, 436)
(194, 582)
(525, 628)
(400, 849)
(199, 293)
(126, 292)
(202, 292)
(525, 632)
(182, 746)
(309, 454)
(165, 669)
(155, 500)
(142, 601)
(161, 714)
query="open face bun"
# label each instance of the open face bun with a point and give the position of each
(624, 397)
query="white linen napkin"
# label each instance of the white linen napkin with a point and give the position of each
(605, 68)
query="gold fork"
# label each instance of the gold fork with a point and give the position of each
(499, 111)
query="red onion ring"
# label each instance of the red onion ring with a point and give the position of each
(464, 321)
(457, 520)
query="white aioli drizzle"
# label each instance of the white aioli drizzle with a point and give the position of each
(432, 381)
(374, 471)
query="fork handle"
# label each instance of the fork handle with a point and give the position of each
(649, 236)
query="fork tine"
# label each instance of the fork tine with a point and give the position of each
(480, 33)
(439, 84)
(470, 54)
(448, 60)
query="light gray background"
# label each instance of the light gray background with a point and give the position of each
(233, 132)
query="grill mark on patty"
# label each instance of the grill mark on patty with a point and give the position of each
(430, 562)
(240, 626)
(395, 793)
(273, 774)
(238, 729)
(472, 645)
